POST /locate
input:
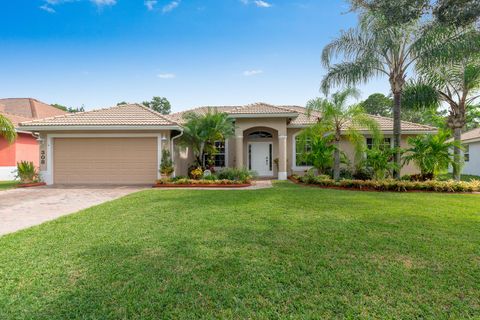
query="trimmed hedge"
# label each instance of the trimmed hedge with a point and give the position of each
(395, 185)
(200, 182)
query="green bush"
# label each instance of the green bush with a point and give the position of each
(235, 174)
(26, 172)
(395, 185)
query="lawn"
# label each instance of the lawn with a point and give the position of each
(287, 252)
(4, 185)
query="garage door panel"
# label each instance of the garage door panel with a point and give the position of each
(105, 160)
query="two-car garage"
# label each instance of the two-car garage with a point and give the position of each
(125, 160)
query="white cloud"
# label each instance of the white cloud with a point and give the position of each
(150, 4)
(249, 73)
(104, 2)
(262, 4)
(166, 75)
(47, 8)
(171, 6)
(258, 3)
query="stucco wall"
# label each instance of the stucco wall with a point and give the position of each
(27, 149)
(473, 166)
(7, 153)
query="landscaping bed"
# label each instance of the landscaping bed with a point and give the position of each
(391, 185)
(190, 183)
(29, 185)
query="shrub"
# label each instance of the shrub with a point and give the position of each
(166, 165)
(196, 173)
(235, 174)
(363, 174)
(186, 181)
(398, 186)
(346, 173)
(26, 172)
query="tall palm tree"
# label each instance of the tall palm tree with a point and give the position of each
(340, 117)
(458, 85)
(202, 130)
(7, 129)
(377, 48)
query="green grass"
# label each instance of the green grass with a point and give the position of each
(4, 185)
(288, 252)
(463, 177)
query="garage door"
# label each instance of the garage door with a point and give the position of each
(105, 160)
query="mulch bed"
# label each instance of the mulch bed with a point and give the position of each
(29, 185)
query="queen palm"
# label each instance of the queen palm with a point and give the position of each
(7, 129)
(340, 118)
(376, 48)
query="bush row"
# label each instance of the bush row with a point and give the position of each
(395, 185)
(186, 181)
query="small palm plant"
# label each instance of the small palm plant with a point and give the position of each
(380, 160)
(26, 172)
(431, 153)
(7, 129)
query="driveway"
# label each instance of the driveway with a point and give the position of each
(23, 208)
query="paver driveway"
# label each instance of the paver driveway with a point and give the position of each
(23, 208)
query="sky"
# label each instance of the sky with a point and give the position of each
(97, 53)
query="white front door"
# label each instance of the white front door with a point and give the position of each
(260, 158)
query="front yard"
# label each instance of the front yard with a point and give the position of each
(5, 185)
(286, 252)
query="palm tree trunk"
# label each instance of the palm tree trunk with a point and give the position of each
(336, 161)
(397, 131)
(457, 136)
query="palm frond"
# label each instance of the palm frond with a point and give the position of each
(7, 129)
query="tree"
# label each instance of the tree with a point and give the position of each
(59, 106)
(75, 110)
(7, 129)
(123, 103)
(378, 104)
(201, 131)
(342, 118)
(379, 47)
(472, 118)
(457, 84)
(431, 153)
(159, 104)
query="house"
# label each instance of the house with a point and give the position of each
(26, 146)
(123, 144)
(471, 152)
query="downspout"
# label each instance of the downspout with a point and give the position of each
(172, 151)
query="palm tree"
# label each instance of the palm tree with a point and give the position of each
(458, 85)
(7, 129)
(378, 48)
(340, 117)
(431, 153)
(202, 130)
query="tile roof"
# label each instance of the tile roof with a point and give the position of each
(471, 135)
(25, 109)
(301, 120)
(123, 115)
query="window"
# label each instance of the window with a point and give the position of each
(260, 135)
(219, 158)
(387, 143)
(299, 152)
(466, 152)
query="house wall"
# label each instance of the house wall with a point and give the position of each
(473, 166)
(27, 149)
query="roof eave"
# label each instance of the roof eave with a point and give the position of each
(97, 128)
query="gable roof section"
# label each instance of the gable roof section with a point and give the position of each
(123, 116)
(471, 136)
(25, 109)
(262, 109)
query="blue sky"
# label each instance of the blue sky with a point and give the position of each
(194, 52)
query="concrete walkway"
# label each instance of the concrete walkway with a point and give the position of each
(23, 208)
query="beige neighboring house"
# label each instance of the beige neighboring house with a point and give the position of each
(123, 144)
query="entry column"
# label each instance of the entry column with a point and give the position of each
(282, 157)
(239, 149)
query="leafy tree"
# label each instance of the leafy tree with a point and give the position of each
(123, 103)
(472, 120)
(201, 131)
(431, 153)
(318, 148)
(75, 110)
(379, 47)
(59, 106)
(378, 104)
(159, 104)
(7, 129)
(342, 118)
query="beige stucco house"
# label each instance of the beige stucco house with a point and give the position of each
(123, 144)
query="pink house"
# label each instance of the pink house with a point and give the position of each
(26, 146)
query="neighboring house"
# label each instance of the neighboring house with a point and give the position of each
(25, 146)
(471, 152)
(123, 144)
